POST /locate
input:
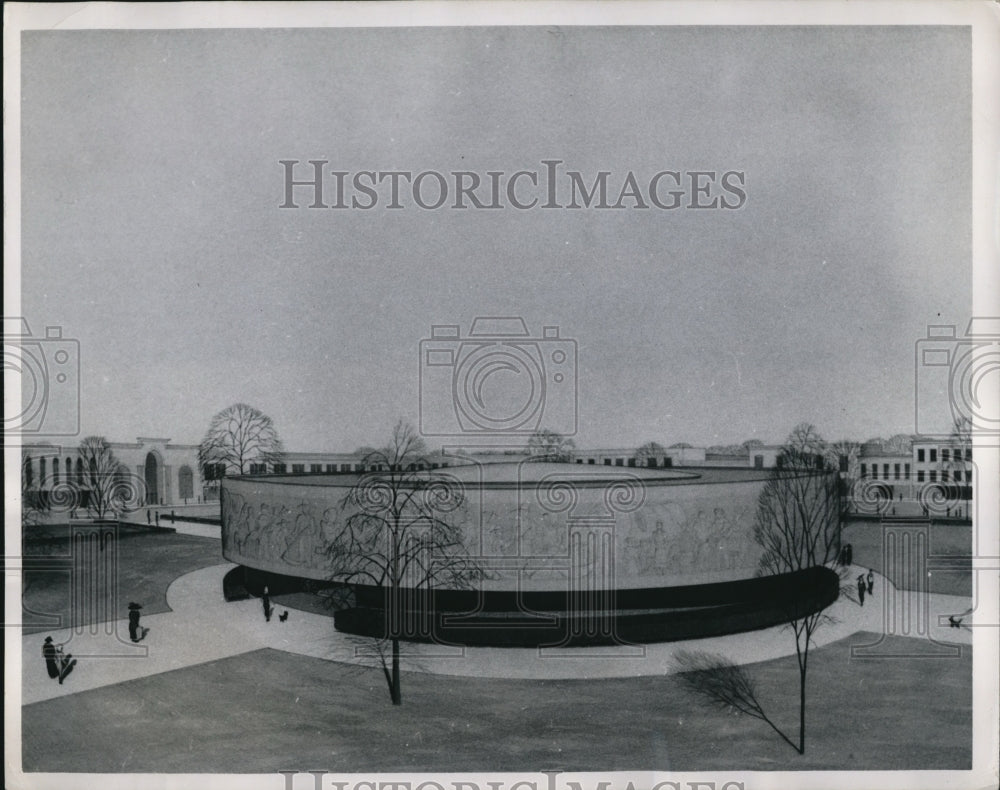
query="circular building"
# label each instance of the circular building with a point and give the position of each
(562, 553)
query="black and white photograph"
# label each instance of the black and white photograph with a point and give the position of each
(502, 396)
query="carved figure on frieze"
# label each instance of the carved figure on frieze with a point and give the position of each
(242, 514)
(259, 526)
(653, 550)
(543, 534)
(300, 538)
(273, 540)
(328, 529)
(237, 517)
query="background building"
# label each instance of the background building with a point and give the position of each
(162, 473)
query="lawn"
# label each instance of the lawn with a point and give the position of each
(147, 562)
(945, 540)
(268, 710)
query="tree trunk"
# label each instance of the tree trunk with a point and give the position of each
(397, 609)
(802, 711)
(397, 695)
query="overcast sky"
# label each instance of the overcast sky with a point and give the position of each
(151, 229)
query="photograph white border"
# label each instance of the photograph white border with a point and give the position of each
(984, 19)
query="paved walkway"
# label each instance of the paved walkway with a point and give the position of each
(179, 525)
(204, 627)
(196, 528)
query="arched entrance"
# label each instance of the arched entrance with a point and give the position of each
(152, 478)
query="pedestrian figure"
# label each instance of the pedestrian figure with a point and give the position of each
(955, 621)
(871, 582)
(57, 664)
(266, 600)
(65, 662)
(861, 589)
(850, 554)
(149, 518)
(50, 655)
(135, 633)
(157, 518)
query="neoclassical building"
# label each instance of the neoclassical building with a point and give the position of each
(162, 473)
(908, 472)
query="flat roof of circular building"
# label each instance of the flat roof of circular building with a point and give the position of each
(533, 472)
(513, 474)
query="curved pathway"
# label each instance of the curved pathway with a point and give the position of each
(203, 627)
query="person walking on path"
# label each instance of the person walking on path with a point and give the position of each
(848, 554)
(861, 589)
(135, 633)
(266, 600)
(871, 582)
(50, 655)
(56, 664)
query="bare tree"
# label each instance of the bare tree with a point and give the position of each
(843, 455)
(961, 431)
(797, 525)
(729, 686)
(546, 445)
(32, 504)
(650, 450)
(898, 444)
(237, 437)
(955, 462)
(110, 488)
(804, 448)
(398, 533)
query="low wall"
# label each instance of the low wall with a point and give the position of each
(662, 615)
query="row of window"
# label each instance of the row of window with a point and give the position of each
(904, 468)
(956, 476)
(72, 473)
(947, 454)
(953, 477)
(43, 474)
(650, 462)
(319, 469)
